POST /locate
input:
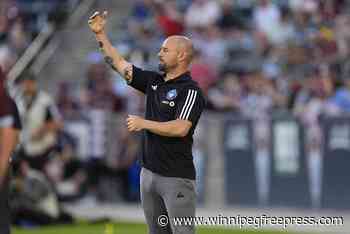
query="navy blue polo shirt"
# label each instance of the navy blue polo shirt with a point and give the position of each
(179, 98)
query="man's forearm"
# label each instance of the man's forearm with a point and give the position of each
(174, 128)
(112, 56)
(9, 138)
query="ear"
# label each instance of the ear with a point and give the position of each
(182, 56)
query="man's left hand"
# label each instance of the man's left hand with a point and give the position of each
(135, 123)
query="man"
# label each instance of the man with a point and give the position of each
(174, 105)
(9, 126)
(41, 123)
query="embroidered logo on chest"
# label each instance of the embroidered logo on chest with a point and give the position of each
(154, 87)
(171, 95)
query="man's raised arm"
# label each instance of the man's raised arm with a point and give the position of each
(97, 24)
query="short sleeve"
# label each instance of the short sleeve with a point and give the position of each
(141, 78)
(190, 106)
(6, 121)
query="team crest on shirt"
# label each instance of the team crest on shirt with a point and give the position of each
(171, 95)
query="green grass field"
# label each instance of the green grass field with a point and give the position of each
(123, 228)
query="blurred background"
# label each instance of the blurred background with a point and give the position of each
(275, 136)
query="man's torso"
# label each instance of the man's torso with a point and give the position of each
(169, 156)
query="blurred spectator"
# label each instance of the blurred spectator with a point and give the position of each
(259, 101)
(212, 46)
(17, 37)
(41, 123)
(34, 201)
(230, 19)
(3, 27)
(123, 162)
(169, 19)
(257, 105)
(68, 106)
(227, 94)
(141, 10)
(141, 15)
(285, 29)
(203, 72)
(341, 99)
(101, 104)
(343, 35)
(312, 102)
(66, 172)
(202, 13)
(267, 18)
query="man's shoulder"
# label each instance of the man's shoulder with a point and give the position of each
(147, 72)
(192, 85)
(192, 89)
(148, 78)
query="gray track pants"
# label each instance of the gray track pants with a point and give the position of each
(170, 196)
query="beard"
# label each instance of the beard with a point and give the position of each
(162, 67)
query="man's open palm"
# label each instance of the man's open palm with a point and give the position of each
(97, 21)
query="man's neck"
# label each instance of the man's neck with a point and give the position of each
(174, 74)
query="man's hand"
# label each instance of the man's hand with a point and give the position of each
(97, 22)
(135, 123)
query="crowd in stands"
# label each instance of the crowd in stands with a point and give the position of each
(289, 52)
(22, 20)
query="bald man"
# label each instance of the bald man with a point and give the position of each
(173, 108)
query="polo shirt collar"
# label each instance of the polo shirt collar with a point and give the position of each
(181, 78)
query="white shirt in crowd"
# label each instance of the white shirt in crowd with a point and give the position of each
(267, 19)
(202, 13)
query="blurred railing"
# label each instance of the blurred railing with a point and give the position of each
(39, 51)
(283, 166)
(30, 53)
